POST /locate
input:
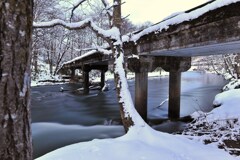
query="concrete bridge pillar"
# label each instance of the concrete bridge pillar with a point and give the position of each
(102, 83)
(72, 74)
(86, 71)
(141, 67)
(103, 70)
(174, 95)
(85, 82)
(141, 93)
(175, 65)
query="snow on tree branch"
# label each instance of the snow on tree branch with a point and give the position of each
(111, 34)
(55, 22)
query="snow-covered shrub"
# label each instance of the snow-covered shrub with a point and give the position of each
(221, 126)
(233, 84)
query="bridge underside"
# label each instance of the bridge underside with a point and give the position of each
(214, 49)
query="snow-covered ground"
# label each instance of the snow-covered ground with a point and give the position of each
(221, 126)
(139, 144)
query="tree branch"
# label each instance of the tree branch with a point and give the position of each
(112, 34)
(75, 7)
(107, 8)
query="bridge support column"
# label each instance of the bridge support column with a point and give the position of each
(102, 83)
(72, 74)
(174, 95)
(85, 82)
(175, 65)
(86, 70)
(141, 67)
(141, 93)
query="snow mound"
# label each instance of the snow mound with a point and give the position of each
(229, 106)
(233, 84)
(139, 144)
(221, 126)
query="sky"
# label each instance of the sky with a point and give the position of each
(155, 10)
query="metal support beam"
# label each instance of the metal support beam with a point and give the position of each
(174, 95)
(141, 93)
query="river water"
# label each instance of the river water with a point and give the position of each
(63, 118)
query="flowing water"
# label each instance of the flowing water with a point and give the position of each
(62, 118)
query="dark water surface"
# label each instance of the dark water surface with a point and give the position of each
(62, 118)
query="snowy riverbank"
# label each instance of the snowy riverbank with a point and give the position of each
(221, 126)
(47, 79)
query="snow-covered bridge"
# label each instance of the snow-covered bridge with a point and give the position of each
(212, 28)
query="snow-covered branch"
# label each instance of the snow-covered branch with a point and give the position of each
(55, 22)
(111, 34)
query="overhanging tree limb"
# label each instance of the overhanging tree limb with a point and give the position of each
(108, 35)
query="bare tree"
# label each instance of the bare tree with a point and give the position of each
(231, 62)
(15, 44)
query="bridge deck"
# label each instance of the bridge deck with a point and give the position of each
(214, 31)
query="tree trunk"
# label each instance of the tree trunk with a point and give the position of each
(15, 42)
(117, 51)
